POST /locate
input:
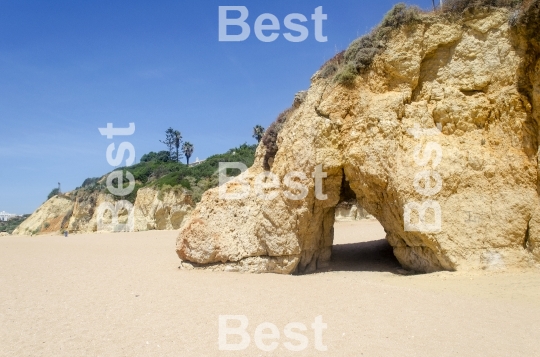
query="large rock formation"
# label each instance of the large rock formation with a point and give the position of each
(446, 116)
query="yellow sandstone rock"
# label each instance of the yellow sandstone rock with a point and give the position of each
(49, 217)
(161, 209)
(467, 88)
(153, 209)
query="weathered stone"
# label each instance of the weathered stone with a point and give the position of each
(161, 210)
(52, 216)
(469, 87)
(78, 212)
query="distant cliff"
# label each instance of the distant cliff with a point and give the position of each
(77, 213)
(164, 194)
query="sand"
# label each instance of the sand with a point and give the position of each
(123, 295)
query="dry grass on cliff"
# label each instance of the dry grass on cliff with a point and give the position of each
(331, 67)
(270, 136)
(356, 60)
(347, 65)
(358, 57)
(458, 6)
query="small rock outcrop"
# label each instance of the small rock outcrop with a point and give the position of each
(350, 211)
(438, 140)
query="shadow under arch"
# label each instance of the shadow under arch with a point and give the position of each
(359, 242)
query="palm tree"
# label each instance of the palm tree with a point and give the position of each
(258, 132)
(187, 149)
(177, 141)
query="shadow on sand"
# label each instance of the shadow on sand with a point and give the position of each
(375, 256)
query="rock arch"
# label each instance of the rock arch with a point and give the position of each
(381, 135)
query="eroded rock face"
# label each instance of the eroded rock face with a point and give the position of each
(50, 217)
(161, 209)
(84, 217)
(448, 115)
(153, 210)
(78, 213)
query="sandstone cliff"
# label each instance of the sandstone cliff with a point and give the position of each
(446, 116)
(161, 209)
(50, 217)
(77, 212)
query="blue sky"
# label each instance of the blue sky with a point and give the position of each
(70, 67)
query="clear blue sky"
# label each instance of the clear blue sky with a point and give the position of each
(69, 67)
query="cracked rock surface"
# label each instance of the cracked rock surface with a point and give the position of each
(447, 117)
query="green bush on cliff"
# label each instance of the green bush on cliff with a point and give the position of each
(10, 225)
(54, 192)
(162, 156)
(347, 74)
(157, 173)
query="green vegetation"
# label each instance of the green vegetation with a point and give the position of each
(53, 193)
(162, 156)
(204, 176)
(90, 181)
(10, 225)
(173, 140)
(166, 174)
(270, 137)
(187, 149)
(258, 133)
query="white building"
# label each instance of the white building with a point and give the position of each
(4, 216)
(197, 162)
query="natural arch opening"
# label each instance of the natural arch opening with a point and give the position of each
(359, 239)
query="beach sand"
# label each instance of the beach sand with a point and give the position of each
(123, 295)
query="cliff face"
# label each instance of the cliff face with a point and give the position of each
(52, 216)
(77, 213)
(438, 141)
(161, 209)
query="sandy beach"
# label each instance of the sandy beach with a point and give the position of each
(123, 295)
